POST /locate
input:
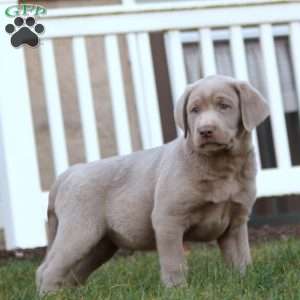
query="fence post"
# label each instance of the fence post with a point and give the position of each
(20, 192)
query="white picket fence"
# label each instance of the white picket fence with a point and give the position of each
(23, 201)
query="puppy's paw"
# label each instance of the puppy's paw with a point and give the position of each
(49, 284)
(243, 268)
(175, 278)
(44, 290)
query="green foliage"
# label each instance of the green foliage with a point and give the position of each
(275, 274)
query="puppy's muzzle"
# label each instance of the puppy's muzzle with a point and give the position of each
(207, 131)
(210, 137)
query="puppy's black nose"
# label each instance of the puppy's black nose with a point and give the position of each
(207, 131)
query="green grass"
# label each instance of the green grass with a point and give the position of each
(275, 274)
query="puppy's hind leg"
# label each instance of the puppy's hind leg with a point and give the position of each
(75, 239)
(102, 252)
(52, 226)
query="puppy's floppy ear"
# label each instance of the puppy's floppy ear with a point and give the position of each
(180, 112)
(254, 108)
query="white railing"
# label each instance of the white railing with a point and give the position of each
(23, 200)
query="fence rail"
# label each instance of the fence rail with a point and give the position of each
(21, 193)
(65, 22)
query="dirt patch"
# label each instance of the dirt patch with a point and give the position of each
(23, 253)
(267, 233)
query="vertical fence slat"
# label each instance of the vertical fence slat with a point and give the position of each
(138, 90)
(207, 52)
(55, 116)
(117, 94)
(150, 132)
(176, 65)
(238, 54)
(149, 88)
(295, 52)
(177, 72)
(85, 98)
(275, 97)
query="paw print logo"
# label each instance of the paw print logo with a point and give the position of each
(25, 31)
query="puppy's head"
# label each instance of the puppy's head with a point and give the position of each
(214, 111)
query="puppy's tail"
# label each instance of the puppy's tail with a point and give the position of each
(52, 224)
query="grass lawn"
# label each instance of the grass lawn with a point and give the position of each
(275, 274)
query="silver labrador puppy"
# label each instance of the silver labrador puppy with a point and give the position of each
(201, 186)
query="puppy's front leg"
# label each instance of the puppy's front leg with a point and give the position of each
(235, 248)
(169, 240)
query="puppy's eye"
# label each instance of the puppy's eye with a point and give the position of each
(195, 110)
(224, 106)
